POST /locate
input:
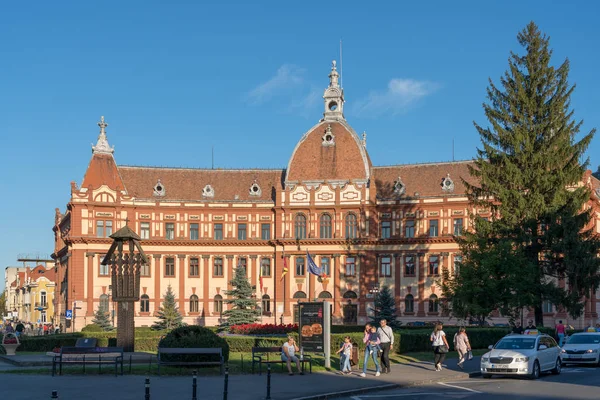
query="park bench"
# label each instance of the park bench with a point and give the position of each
(260, 356)
(216, 353)
(88, 355)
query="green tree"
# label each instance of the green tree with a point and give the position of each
(528, 171)
(385, 308)
(168, 314)
(3, 310)
(244, 308)
(102, 318)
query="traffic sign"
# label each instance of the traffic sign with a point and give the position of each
(69, 314)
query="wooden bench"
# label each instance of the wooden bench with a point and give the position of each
(259, 353)
(217, 352)
(88, 355)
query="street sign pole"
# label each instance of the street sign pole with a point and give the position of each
(327, 333)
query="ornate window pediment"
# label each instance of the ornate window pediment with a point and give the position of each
(328, 139)
(208, 191)
(447, 184)
(255, 189)
(159, 189)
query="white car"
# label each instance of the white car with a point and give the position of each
(582, 348)
(525, 355)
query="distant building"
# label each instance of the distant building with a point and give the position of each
(365, 225)
(30, 295)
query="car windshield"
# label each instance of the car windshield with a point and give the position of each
(516, 344)
(584, 339)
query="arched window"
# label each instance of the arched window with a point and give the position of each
(300, 295)
(325, 225)
(194, 303)
(104, 302)
(144, 303)
(300, 226)
(351, 226)
(409, 303)
(350, 295)
(325, 295)
(433, 303)
(266, 304)
(218, 301)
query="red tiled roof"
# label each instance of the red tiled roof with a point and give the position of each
(102, 170)
(187, 184)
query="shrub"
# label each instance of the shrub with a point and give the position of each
(91, 328)
(193, 336)
(263, 329)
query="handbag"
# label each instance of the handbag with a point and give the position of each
(470, 355)
(443, 349)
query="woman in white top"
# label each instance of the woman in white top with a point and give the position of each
(288, 354)
(438, 341)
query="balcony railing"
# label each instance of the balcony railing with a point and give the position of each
(41, 305)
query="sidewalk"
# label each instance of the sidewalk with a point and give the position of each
(241, 387)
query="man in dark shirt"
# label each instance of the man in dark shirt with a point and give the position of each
(518, 328)
(530, 325)
(19, 328)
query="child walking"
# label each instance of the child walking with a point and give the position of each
(346, 355)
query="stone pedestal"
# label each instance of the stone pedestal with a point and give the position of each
(126, 326)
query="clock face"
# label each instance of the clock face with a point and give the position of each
(333, 106)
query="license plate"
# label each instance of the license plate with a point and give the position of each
(574, 356)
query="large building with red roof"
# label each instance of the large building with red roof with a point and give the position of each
(365, 225)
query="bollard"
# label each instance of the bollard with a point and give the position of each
(194, 386)
(226, 383)
(147, 386)
(54, 394)
(268, 381)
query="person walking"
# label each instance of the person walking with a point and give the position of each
(386, 337)
(371, 340)
(560, 333)
(346, 355)
(440, 346)
(462, 346)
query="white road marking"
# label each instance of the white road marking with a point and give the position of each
(381, 396)
(459, 387)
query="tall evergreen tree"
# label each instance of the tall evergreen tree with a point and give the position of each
(102, 319)
(244, 308)
(528, 171)
(168, 314)
(385, 308)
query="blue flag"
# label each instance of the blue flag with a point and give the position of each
(313, 268)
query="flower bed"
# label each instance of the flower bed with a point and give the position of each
(263, 329)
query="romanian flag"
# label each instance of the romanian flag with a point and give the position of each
(285, 268)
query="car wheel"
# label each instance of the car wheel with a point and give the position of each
(486, 376)
(535, 372)
(557, 367)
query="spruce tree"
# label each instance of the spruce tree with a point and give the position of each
(168, 314)
(527, 173)
(244, 308)
(385, 308)
(102, 319)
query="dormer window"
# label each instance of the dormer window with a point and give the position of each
(328, 138)
(447, 184)
(159, 189)
(399, 188)
(255, 190)
(208, 191)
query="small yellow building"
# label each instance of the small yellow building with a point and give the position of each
(34, 298)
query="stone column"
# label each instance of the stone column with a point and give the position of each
(363, 286)
(255, 272)
(157, 279)
(421, 286)
(90, 283)
(287, 282)
(230, 273)
(205, 281)
(397, 281)
(337, 289)
(182, 278)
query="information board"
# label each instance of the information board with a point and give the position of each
(311, 327)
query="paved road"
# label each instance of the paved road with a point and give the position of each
(573, 383)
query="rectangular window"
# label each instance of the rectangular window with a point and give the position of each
(108, 225)
(241, 231)
(458, 226)
(433, 228)
(457, 261)
(194, 267)
(145, 270)
(350, 266)
(265, 267)
(434, 265)
(103, 228)
(385, 266)
(546, 307)
(265, 231)
(170, 231)
(325, 265)
(218, 266)
(194, 232)
(300, 266)
(169, 266)
(99, 228)
(104, 270)
(242, 263)
(409, 228)
(386, 229)
(218, 232)
(409, 265)
(145, 230)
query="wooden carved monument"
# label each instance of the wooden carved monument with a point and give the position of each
(125, 257)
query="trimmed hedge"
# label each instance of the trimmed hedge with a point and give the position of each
(190, 337)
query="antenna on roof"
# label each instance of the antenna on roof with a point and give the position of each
(341, 65)
(212, 151)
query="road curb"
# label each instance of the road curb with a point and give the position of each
(390, 386)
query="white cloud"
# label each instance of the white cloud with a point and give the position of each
(286, 77)
(397, 98)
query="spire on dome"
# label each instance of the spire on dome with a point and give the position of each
(334, 97)
(102, 146)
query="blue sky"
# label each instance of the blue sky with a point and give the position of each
(175, 78)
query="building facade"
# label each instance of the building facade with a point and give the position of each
(30, 295)
(366, 225)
